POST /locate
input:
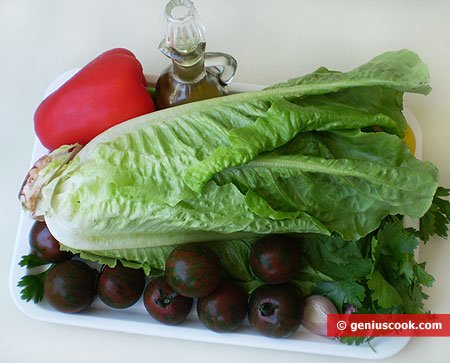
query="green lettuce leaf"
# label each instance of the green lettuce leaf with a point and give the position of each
(233, 254)
(404, 70)
(323, 173)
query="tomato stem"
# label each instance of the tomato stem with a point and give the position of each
(164, 299)
(267, 308)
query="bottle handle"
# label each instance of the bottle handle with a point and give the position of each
(221, 65)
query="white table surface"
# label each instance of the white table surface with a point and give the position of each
(272, 41)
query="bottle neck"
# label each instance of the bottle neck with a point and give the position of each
(191, 73)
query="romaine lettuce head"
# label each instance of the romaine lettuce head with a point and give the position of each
(299, 157)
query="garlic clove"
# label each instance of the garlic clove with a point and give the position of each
(316, 309)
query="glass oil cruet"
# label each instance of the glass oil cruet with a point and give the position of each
(194, 74)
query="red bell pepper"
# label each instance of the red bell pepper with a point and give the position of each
(107, 91)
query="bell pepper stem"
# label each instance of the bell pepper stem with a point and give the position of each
(151, 91)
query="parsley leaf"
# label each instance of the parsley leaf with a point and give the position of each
(31, 260)
(342, 291)
(418, 296)
(409, 305)
(33, 287)
(383, 292)
(436, 219)
(422, 276)
(394, 240)
(356, 340)
(407, 268)
(355, 268)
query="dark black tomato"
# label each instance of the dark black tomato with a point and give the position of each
(225, 308)
(193, 270)
(120, 287)
(164, 304)
(70, 286)
(45, 246)
(276, 310)
(275, 259)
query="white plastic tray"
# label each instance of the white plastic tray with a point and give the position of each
(136, 320)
